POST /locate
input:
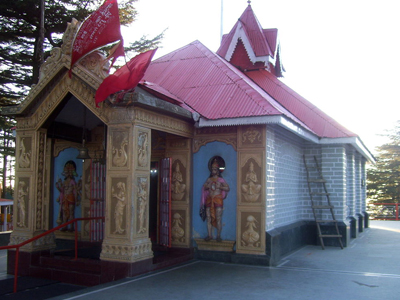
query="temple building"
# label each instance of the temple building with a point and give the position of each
(205, 158)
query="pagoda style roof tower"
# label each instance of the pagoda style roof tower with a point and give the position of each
(248, 46)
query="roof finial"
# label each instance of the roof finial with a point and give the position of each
(249, 2)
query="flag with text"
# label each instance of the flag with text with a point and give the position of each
(102, 27)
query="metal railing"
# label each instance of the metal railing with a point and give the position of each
(18, 246)
(383, 211)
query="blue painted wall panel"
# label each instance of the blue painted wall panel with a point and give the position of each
(59, 162)
(200, 175)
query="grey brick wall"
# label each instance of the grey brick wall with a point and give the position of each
(288, 199)
(285, 177)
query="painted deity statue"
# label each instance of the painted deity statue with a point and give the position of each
(214, 191)
(69, 195)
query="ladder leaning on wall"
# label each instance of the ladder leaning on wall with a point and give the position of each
(314, 189)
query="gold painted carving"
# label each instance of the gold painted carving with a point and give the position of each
(22, 192)
(164, 123)
(77, 87)
(143, 149)
(178, 183)
(24, 159)
(126, 253)
(142, 202)
(250, 237)
(199, 142)
(39, 184)
(120, 155)
(177, 232)
(251, 189)
(252, 135)
(119, 210)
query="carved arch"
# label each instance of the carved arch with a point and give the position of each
(77, 88)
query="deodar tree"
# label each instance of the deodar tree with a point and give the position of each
(384, 176)
(25, 43)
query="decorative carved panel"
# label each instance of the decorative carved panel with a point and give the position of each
(252, 136)
(251, 187)
(119, 199)
(40, 180)
(143, 150)
(119, 149)
(251, 178)
(251, 235)
(179, 224)
(164, 123)
(142, 196)
(179, 187)
(126, 253)
(24, 153)
(23, 197)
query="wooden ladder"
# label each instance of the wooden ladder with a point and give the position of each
(313, 184)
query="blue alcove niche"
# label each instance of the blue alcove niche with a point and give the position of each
(59, 162)
(201, 174)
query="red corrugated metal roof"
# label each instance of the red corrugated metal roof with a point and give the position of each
(211, 86)
(309, 114)
(202, 81)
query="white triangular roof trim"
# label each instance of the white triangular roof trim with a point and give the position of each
(241, 34)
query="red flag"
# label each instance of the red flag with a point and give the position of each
(126, 77)
(101, 28)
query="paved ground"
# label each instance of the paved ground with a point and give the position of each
(368, 269)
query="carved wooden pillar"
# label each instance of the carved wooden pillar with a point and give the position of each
(128, 177)
(250, 234)
(31, 190)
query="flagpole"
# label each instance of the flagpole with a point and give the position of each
(222, 19)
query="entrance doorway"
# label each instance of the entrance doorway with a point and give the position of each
(160, 204)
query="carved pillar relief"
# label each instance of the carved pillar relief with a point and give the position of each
(40, 179)
(119, 206)
(24, 153)
(127, 198)
(142, 198)
(179, 149)
(178, 184)
(23, 202)
(179, 227)
(251, 178)
(143, 149)
(119, 148)
(252, 236)
(251, 190)
(30, 191)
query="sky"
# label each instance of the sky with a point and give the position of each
(343, 55)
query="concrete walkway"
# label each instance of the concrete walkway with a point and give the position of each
(368, 269)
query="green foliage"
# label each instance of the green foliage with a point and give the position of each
(21, 52)
(384, 177)
(20, 35)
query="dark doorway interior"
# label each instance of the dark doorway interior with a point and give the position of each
(153, 205)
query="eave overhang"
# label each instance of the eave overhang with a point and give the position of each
(292, 127)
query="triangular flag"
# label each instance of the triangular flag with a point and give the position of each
(125, 78)
(102, 27)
